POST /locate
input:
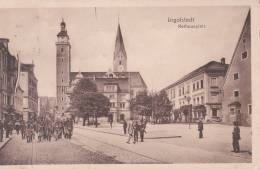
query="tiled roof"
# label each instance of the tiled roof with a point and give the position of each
(211, 67)
(122, 79)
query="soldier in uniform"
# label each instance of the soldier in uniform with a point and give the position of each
(142, 130)
(200, 129)
(236, 137)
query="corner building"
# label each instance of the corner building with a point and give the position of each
(202, 89)
(237, 101)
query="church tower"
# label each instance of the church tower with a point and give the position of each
(120, 58)
(62, 68)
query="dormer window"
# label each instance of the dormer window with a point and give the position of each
(244, 55)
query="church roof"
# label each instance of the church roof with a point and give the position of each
(121, 79)
(210, 67)
(119, 45)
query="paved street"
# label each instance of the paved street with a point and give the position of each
(18, 152)
(167, 143)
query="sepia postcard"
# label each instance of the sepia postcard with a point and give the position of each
(129, 84)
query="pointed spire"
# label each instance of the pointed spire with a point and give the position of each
(120, 58)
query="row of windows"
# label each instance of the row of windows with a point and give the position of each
(198, 85)
(120, 104)
(233, 111)
(110, 88)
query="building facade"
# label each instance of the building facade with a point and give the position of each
(201, 89)
(47, 105)
(118, 85)
(63, 66)
(237, 100)
(28, 83)
(8, 79)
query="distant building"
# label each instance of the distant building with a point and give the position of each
(47, 105)
(28, 83)
(202, 89)
(118, 85)
(237, 101)
(18, 101)
(8, 78)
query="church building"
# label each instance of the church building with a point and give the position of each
(119, 85)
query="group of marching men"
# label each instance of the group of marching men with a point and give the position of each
(45, 128)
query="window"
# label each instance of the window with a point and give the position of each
(244, 40)
(61, 49)
(182, 90)
(179, 92)
(202, 100)
(198, 100)
(249, 109)
(244, 55)
(188, 89)
(193, 86)
(232, 111)
(194, 101)
(236, 93)
(201, 84)
(214, 93)
(236, 76)
(213, 81)
(120, 63)
(198, 85)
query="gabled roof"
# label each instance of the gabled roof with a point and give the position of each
(122, 79)
(210, 67)
(239, 39)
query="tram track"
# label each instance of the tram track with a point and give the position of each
(120, 148)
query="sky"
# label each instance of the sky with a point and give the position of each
(158, 49)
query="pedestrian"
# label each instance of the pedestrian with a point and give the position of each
(124, 126)
(200, 129)
(130, 130)
(136, 130)
(17, 126)
(23, 129)
(142, 131)
(236, 137)
(6, 127)
(1, 131)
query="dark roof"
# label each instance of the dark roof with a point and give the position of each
(119, 45)
(63, 33)
(210, 67)
(122, 79)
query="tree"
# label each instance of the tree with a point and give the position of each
(161, 106)
(88, 101)
(141, 104)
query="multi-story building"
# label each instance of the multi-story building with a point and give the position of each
(118, 85)
(47, 105)
(237, 103)
(8, 78)
(28, 83)
(18, 102)
(202, 89)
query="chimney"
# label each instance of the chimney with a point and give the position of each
(222, 61)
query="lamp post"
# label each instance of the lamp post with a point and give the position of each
(188, 98)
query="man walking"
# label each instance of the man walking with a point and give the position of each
(124, 126)
(130, 130)
(236, 137)
(200, 128)
(142, 130)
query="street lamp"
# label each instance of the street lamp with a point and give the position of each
(188, 98)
